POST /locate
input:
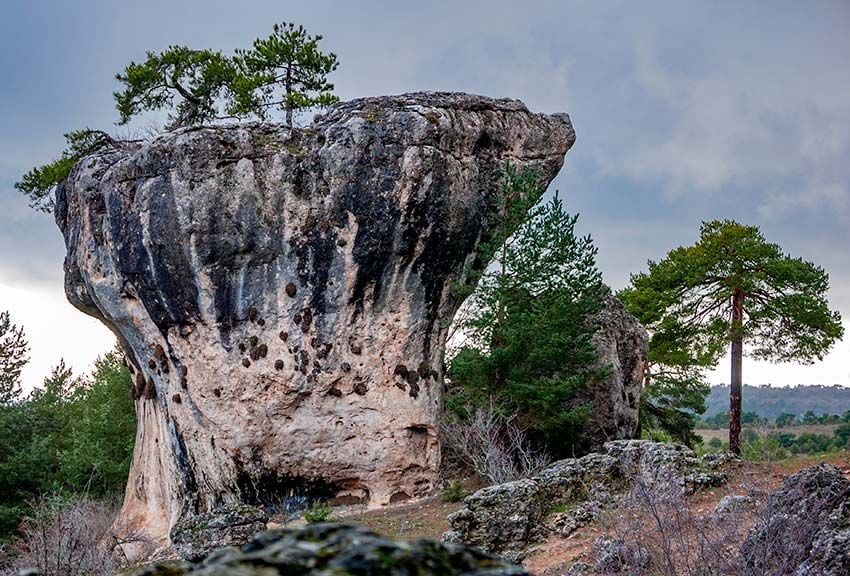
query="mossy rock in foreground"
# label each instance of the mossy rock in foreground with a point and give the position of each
(333, 549)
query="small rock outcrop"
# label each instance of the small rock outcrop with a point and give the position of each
(284, 296)
(332, 549)
(804, 528)
(508, 519)
(195, 537)
(622, 345)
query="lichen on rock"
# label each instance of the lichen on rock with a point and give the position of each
(509, 519)
(326, 549)
(272, 279)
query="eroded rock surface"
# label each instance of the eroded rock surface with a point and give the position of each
(332, 549)
(509, 519)
(622, 345)
(284, 295)
(805, 527)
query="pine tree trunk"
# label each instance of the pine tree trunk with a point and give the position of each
(737, 372)
(288, 88)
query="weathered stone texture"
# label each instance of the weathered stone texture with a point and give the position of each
(328, 549)
(509, 519)
(804, 529)
(267, 284)
(622, 345)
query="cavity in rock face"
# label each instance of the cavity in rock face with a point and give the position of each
(273, 280)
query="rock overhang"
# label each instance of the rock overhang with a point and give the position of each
(284, 295)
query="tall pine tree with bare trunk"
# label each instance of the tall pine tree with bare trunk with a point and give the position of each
(735, 289)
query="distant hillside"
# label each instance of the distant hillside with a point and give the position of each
(770, 402)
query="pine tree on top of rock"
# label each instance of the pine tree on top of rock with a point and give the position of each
(286, 71)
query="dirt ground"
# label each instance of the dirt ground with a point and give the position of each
(427, 519)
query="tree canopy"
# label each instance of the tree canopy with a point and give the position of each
(39, 183)
(72, 433)
(527, 328)
(187, 82)
(733, 287)
(286, 71)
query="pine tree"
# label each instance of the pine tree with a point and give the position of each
(286, 71)
(13, 357)
(527, 329)
(734, 288)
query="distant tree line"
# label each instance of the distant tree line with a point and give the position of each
(772, 401)
(784, 420)
(776, 444)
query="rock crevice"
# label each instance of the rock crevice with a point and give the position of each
(266, 283)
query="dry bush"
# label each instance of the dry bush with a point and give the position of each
(494, 446)
(67, 536)
(655, 531)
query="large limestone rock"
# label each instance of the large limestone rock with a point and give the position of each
(804, 529)
(283, 296)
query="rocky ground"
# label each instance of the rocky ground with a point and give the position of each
(555, 553)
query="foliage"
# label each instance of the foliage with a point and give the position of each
(454, 492)
(39, 183)
(318, 512)
(72, 434)
(528, 326)
(13, 357)
(732, 288)
(195, 78)
(100, 444)
(286, 71)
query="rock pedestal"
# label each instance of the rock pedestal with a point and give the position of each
(283, 296)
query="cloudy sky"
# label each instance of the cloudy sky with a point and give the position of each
(684, 112)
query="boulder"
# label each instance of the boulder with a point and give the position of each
(622, 345)
(194, 537)
(509, 519)
(805, 527)
(284, 295)
(327, 549)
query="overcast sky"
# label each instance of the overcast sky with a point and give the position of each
(684, 112)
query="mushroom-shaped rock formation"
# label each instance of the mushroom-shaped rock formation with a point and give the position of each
(283, 296)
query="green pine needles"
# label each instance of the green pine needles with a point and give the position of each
(286, 71)
(528, 327)
(730, 290)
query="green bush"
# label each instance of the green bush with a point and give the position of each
(318, 512)
(454, 492)
(72, 434)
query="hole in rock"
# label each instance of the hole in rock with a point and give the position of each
(283, 494)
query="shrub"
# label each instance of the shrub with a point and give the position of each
(454, 492)
(68, 535)
(318, 512)
(494, 446)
